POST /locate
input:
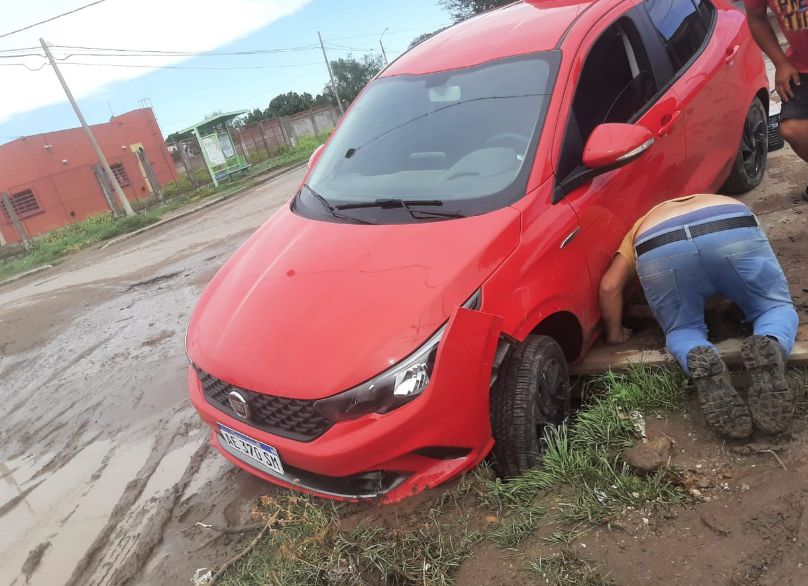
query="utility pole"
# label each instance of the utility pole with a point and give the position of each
(101, 158)
(384, 53)
(331, 75)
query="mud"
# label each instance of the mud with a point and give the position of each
(103, 461)
(105, 468)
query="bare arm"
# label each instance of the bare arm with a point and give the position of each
(766, 39)
(612, 284)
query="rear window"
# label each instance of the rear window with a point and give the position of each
(463, 137)
(683, 26)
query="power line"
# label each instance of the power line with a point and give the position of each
(118, 52)
(19, 49)
(144, 66)
(52, 18)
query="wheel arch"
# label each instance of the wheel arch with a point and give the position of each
(566, 330)
(763, 95)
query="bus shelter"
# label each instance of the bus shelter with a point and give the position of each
(216, 144)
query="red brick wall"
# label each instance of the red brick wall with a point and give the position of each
(68, 191)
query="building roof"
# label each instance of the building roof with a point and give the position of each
(213, 120)
(523, 27)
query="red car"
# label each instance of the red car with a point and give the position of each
(417, 302)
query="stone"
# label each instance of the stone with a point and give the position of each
(649, 456)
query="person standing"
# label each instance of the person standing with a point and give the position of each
(684, 251)
(791, 73)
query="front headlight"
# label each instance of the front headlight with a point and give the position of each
(393, 388)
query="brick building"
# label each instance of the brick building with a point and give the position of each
(52, 180)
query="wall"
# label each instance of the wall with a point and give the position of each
(58, 168)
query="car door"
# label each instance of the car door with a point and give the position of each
(615, 80)
(702, 44)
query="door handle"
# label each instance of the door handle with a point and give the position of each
(732, 52)
(668, 122)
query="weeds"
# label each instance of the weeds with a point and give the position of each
(581, 471)
(521, 525)
(306, 546)
(74, 237)
(566, 568)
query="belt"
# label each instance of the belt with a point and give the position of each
(696, 230)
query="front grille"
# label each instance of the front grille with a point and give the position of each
(290, 418)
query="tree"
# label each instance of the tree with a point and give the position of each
(463, 9)
(176, 137)
(421, 38)
(252, 117)
(288, 104)
(351, 75)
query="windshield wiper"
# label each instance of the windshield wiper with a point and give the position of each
(332, 209)
(390, 203)
(408, 204)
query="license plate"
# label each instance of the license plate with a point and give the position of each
(253, 449)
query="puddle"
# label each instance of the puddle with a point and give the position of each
(211, 467)
(15, 475)
(68, 493)
(168, 472)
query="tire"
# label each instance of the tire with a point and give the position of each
(750, 162)
(531, 392)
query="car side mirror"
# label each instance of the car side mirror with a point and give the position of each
(315, 155)
(613, 145)
(609, 146)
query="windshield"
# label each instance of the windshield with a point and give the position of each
(463, 138)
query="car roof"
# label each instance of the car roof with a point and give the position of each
(524, 27)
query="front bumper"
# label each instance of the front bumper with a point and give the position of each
(439, 435)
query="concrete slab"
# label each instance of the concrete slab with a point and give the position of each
(603, 358)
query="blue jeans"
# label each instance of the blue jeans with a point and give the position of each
(739, 263)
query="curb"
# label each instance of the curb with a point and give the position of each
(26, 274)
(200, 207)
(604, 358)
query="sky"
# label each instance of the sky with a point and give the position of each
(182, 89)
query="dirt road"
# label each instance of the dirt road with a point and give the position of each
(104, 465)
(104, 460)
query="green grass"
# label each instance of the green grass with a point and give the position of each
(51, 247)
(54, 245)
(583, 456)
(567, 568)
(582, 481)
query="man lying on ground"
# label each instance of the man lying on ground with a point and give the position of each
(791, 69)
(684, 251)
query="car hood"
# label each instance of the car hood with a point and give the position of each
(308, 308)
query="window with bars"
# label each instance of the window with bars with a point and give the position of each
(120, 174)
(24, 204)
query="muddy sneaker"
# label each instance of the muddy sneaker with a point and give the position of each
(770, 400)
(723, 408)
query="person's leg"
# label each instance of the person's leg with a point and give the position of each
(794, 123)
(676, 287)
(749, 274)
(795, 133)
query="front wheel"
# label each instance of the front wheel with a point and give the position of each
(532, 391)
(750, 162)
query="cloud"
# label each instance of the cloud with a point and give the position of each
(172, 25)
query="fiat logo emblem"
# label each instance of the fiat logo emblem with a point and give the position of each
(239, 404)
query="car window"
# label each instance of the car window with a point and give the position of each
(616, 85)
(463, 136)
(682, 26)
